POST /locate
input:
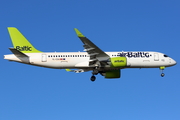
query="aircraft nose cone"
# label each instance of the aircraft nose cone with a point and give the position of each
(173, 62)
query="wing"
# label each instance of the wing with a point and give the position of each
(97, 56)
(78, 70)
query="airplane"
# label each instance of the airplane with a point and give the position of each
(108, 64)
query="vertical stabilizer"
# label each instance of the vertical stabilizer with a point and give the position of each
(20, 43)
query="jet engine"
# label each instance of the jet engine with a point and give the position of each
(112, 74)
(118, 62)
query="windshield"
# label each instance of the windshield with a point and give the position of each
(166, 56)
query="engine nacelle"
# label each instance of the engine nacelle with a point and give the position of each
(118, 62)
(112, 74)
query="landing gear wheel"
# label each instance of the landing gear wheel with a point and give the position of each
(162, 74)
(93, 78)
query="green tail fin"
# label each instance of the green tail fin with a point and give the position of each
(20, 42)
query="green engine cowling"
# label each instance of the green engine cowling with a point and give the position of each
(112, 74)
(118, 62)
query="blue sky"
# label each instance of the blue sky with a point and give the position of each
(35, 93)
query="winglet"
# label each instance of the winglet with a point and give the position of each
(79, 34)
(68, 70)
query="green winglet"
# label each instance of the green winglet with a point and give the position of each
(79, 34)
(68, 70)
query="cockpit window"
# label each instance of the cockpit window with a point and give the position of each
(166, 56)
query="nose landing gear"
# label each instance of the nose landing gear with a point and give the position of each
(162, 68)
(162, 74)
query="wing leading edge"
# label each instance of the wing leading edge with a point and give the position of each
(97, 56)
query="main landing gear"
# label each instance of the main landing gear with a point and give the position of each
(93, 77)
(162, 68)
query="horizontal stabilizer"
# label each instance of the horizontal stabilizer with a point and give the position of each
(17, 53)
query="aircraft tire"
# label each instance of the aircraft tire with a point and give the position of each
(162, 74)
(93, 78)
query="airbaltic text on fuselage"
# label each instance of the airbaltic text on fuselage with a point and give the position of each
(24, 48)
(134, 54)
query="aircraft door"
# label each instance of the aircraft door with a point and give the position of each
(156, 57)
(44, 58)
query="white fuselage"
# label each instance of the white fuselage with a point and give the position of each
(63, 60)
